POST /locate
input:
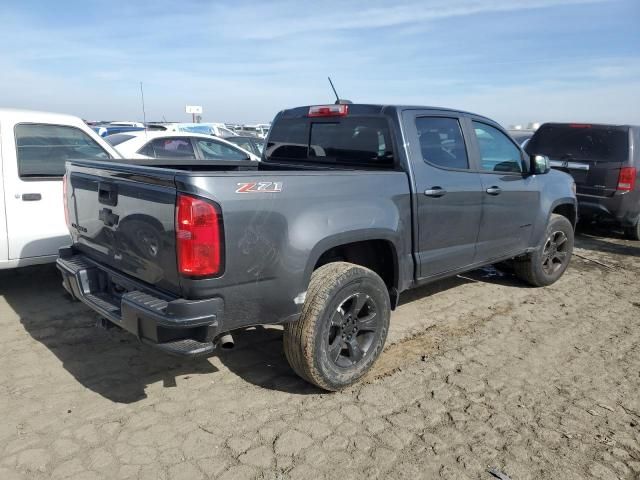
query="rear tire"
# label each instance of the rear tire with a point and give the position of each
(547, 264)
(633, 233)
(343, 326)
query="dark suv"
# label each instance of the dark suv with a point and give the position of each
(604, 161)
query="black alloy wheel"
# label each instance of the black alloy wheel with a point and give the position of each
(354, 327)
(554, 253)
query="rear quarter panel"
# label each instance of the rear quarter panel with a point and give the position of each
(273, 240)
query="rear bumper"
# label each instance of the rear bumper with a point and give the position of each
(174, 325)
(623, 208)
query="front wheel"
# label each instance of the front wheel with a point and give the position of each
(547, 264)
(343, 326)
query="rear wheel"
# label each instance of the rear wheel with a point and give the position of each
(343, 326)
(547, 264)
(633, 233)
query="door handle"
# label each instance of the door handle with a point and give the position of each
(31, 197)
(494, 190)
(435, 192)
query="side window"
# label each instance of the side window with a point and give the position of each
(212, 150)
(169, 147)
(441, 142)
(497, 152)
(246, 144)
(43, 149)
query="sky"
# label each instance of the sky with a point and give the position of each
(515, 61)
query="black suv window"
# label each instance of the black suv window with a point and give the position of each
(441, 142)
(498, 153)
(352, 141)
(43, 149)
(581, 142)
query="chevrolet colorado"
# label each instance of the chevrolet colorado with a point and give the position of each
(351, 205)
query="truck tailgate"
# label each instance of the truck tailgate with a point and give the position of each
(124, 216)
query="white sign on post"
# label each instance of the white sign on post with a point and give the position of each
(194, 109)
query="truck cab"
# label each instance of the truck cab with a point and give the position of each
(34, 147)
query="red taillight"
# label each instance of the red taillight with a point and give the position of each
(328, 110)
(579, 125)
(64, 199)
(627, 179)
(198, 237)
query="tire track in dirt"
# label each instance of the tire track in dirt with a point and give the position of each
(435, 340)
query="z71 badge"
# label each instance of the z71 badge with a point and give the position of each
(259, 187)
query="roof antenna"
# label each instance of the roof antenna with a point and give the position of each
(338, 99)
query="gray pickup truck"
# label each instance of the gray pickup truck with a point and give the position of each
(350, 206)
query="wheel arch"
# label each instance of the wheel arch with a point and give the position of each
(566, 209)
(374, 250)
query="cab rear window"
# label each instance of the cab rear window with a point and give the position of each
(581, 142)
(349, 141)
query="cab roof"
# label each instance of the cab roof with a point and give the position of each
(22, 115)
(375, 109)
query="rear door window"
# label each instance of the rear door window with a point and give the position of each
(244, 143)
(441, 142)
(169, 147)
(581, 142)
(42, 149)
(212, 150)
(117, 138)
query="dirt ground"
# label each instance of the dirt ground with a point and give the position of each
(481, 372)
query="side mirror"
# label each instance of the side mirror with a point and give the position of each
(539, 164)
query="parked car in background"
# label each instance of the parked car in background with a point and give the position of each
(106, 130)
(351, 205)
(251, 144)
(260, 131)
(521, 136)
(165, 144)
(216, 129)
(604, 160)
(34, 147)
(127, 124)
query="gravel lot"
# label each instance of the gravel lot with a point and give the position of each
(481, 372)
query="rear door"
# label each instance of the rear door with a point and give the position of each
(510, 197)
(32, 172)
(592, 154)
(449, 192)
